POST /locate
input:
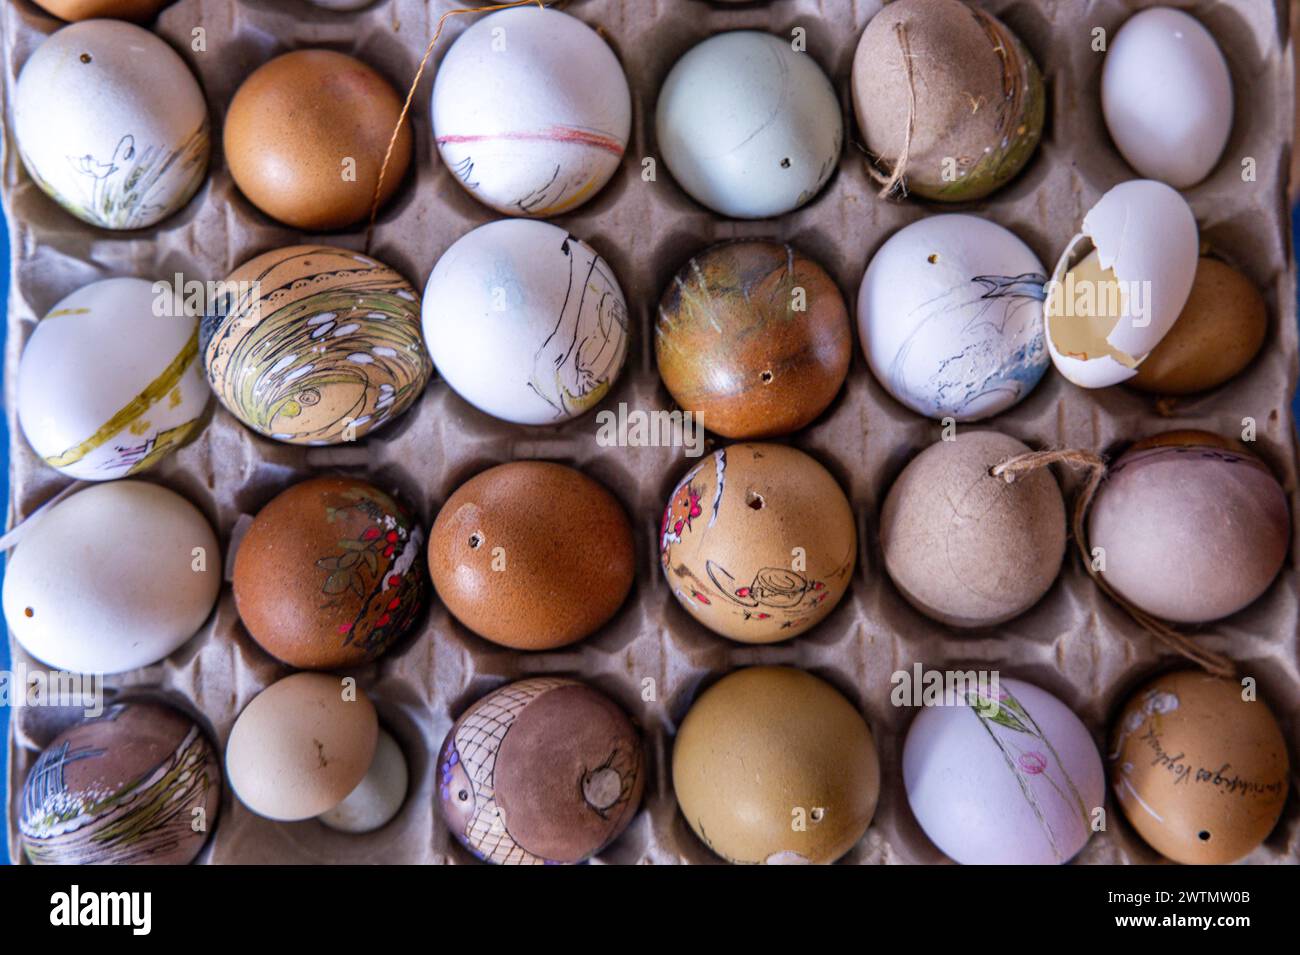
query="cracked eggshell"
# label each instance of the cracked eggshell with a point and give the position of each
(1143, 232)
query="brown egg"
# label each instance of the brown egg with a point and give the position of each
(772, 765)
(753, 337)
(540, 771)
(73, 10)
(306, 135)
(1189, 436)
(328, 574)
(1198, 771)
(532, 555)
(758, 542)
(1220, 329)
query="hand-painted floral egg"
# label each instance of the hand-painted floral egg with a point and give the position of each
(546, 770)
(113, 578)
(380, 794)
(492, 554)
(137, 785)
(107, 386)
(139, 10)
(131, 141)
(1190, 532)
(315, 345)
(950, 314)
(526, 322)
(531, 111)
(1007, 775)
(758, 542)
(753, 338)
(748, 126)
(329, 574)
(773, 765)
(1199, 768)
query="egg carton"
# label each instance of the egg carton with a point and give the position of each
(1075, 642)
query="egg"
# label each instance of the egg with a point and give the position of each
(1217, 334)
(531, 111)
(306, 135)
(493, 548)
(329, 574)
(543, 771)
(758, 542)
(93, 9)
(345, 5)
(106, 386)
(312, 344)
(1166, 95)
(772, 765)
(379, 795)
(114, 578)
(1121, 283)
(748, 126)
(967, 548)
(947, 98)
(1199, 770)
(1006, 777)
(131, 143)
(138, 784)
(301, 746)
(526, 322)
(1190, 532)
(949, 315)
(753, 338)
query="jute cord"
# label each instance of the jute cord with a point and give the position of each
(895, 179)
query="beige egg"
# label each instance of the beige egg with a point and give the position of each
(301, 746)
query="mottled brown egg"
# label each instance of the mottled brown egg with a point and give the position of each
(532, 555)
(546, 770)
(1218, 332)
(772, 765)
(753, 338)
(72, 10)
(758, 542)
(329, 574)
(1199, 771)
(306, 135)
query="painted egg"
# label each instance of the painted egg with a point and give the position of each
(302, 746)
(526, 322)
(531, 111)
(546, 770)
(1004, 777)
(329, 574)
(753, 338)
(758, 542)
(139, 784)
(113, 578)
(773, 765)
(492, 554)
(967, 548)
(1190, 533)
(132, 139)
(950, 317)
(139, 10)
(306, 135)
(315, 345)
(1166, 95)
(1199, 770)
(947, 92)
(747, 126)
(107, 387)
(378, 797)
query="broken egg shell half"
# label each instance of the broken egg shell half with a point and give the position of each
(1143, 233)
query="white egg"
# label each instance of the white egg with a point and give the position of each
(113, 578)
(1167, 96)
(106, 387)
(1121, 283)
(1015, 784)
(525, 322)
(378, 796)
(111, 124)
(748, 126)
(531, 111)
(950, 317)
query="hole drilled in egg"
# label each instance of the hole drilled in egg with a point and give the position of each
(463, 796)
(785, 163)
(754, 500)
(932, 258)
(766, 377)
(476, 540)
(1203, 835)
(85, 58)
(29, 612)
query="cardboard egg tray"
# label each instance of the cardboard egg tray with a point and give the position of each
(1075, 643)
